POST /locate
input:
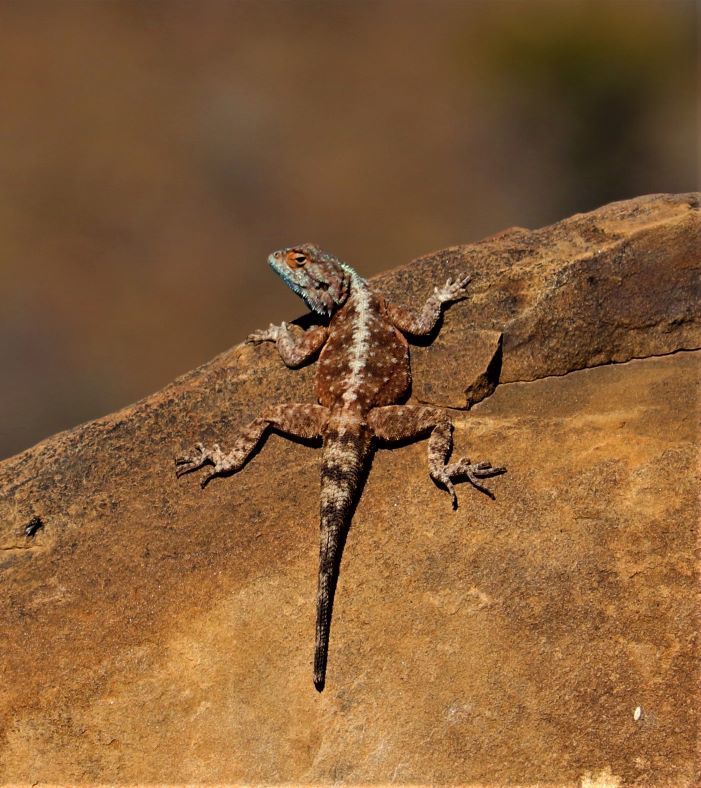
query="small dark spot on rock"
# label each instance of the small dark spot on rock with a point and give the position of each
(34, 525)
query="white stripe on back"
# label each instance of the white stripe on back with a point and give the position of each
(360, 343)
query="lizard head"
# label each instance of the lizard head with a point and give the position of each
(319, 278)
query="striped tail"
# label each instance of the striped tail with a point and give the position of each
(342, 468)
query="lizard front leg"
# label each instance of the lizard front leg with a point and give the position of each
(404, 422)
(298, 420)
(293, 349)
(423, 322)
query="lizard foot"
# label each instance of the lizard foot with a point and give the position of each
(269, 334)
(198, 459)
(453, 290)
(464, 469)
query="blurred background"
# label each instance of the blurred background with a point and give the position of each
(153, 153)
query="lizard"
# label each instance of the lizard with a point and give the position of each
(363, 376)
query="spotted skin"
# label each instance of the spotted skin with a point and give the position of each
(363, 371)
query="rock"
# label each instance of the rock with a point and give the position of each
(152, 632)
(481, 367)
(619, 283)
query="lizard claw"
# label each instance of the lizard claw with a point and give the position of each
(453, 289)
(192, 462)
(479, 470)
(269, 334)
(464, 469)
(200, 457)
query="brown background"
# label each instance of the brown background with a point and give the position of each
(152, 154)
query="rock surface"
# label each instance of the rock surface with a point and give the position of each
(152, 632)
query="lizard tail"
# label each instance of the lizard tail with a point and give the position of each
(342, 469)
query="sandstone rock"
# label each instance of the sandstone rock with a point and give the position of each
(619, 283)
(152, 632)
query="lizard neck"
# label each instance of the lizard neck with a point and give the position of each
(358, 285)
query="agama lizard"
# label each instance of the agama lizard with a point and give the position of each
(363, 373)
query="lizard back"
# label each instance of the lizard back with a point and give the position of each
(365, 361)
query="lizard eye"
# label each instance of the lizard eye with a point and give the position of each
(295, 260)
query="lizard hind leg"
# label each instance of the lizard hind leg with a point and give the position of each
(439, 448)
(304, 421)
(408, 422)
